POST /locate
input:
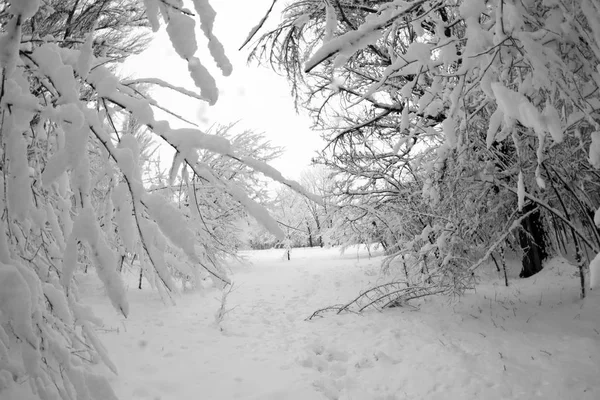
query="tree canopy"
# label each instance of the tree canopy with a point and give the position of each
(76, 191)
(454, 128)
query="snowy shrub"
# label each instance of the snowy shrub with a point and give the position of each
(216, 221)
(482, 117)
(74, 195)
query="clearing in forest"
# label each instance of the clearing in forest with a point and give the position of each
(533, 340)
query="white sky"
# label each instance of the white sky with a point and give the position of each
(256, 96)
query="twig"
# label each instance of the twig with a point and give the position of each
(223, 310)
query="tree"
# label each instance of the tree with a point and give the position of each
(120, 26)
(496, 103)
(316, 180)
(67, 169)
(215, 219)
(292, 216)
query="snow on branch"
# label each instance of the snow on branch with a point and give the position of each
(262, 21)
(181, 31)
(186, 141)
(164, 84)
(415, 95)
(207, 19)
(74, 196)
(366, 34)
(387, 295)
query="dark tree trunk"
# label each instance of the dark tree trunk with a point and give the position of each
(310, 239)
(533, 241)
(121, 263)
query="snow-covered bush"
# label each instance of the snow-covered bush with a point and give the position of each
(73, 193)
(217, 221)
(303, 220)
(488, 110)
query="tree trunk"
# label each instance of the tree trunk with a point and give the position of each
(310, 239)
(319, 232)
(533, 242)
(504, 265)
(384, 245)
(121, 263)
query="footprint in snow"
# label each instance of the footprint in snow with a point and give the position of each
(383, 358)
(364, 362)
(328, 387)
(339, 372)
(332, 366)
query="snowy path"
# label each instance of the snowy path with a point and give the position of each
(497, 344)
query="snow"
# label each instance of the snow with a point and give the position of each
(60, 307)
(16, 92)
(203, 80)
(495, 122)
(189, 139)
(513, 18)
(48, 57)
(164, 84)
(532, 340)
(539, 179)
(553, 122)
(595, 150)
(139, 108)
(521, 191)
(123, 216)
(18, 181)
(9, 46)
(5, 256)
(181, 32)
(54, 226)
(472, 9)
(272, 173)
(366, 34)
(99, 388)
(152, 14)
(330, 23)
(595, 273)
(24, 8)
(86, 228)
(257, 211)
(16, 301)
(591, 12)
(448, 54)
(515, 106)
(64, 204)
(105, 81)
(252, 341)
(172, 223)
(405, 122)
(346, 44)
(178, 29)
(207, 19)
(86, 55)
(157, 246)
(420, 52)
(449, 127)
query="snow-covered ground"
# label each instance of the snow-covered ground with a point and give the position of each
(533, 340)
